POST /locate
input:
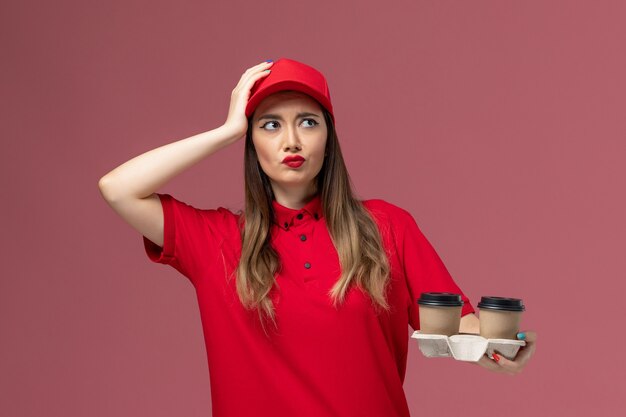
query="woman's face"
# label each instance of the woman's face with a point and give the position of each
(287, 124)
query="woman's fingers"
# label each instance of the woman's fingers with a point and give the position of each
(499, 364)
(236, 119)
(241, 93)
(529, 336)
(253, 77)
(489, 364)
(511, 367)
(508, 366)
(253, 73)
(514, 367)
(525, 352)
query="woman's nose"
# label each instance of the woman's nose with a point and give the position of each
(292, 141)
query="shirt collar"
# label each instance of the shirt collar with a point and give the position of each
(286, 217)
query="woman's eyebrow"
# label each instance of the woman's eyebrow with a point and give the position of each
(277, 117)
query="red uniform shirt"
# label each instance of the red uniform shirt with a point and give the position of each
(322, 361)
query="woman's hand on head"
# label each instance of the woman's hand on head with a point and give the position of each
(501, 364)
(237, 120)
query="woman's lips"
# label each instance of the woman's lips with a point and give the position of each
(294, 164)
(293, 161)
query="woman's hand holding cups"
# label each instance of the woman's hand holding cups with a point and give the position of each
(512, 367)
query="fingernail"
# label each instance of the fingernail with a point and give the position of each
(495, 357)
(521, 335)
(269, 60)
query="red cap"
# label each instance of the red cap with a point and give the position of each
(287, 74)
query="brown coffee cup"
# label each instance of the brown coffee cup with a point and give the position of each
(440, 313)
(500, 317)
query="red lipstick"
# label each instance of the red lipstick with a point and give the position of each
(293, 161)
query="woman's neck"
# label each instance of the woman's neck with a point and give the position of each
(294, 198)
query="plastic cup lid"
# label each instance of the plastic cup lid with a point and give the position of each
(440, 299)
(501, 303)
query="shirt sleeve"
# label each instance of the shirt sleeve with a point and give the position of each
(424, 270)
(192, 237)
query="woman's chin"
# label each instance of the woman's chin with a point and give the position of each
(291, 181)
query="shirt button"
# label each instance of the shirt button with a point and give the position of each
(307, 265)
(315, 216)
(286, 225)
(299, 216)
(303, 237)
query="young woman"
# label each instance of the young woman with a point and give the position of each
(306, 296)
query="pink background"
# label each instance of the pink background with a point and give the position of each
(499, 125)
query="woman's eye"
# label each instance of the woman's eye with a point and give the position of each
(263, 127)
(313, 123)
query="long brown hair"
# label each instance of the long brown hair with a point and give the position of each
(352, 230)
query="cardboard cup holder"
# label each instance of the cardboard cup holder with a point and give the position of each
(465, 347)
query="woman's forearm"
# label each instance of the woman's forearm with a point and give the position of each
(146, 173)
